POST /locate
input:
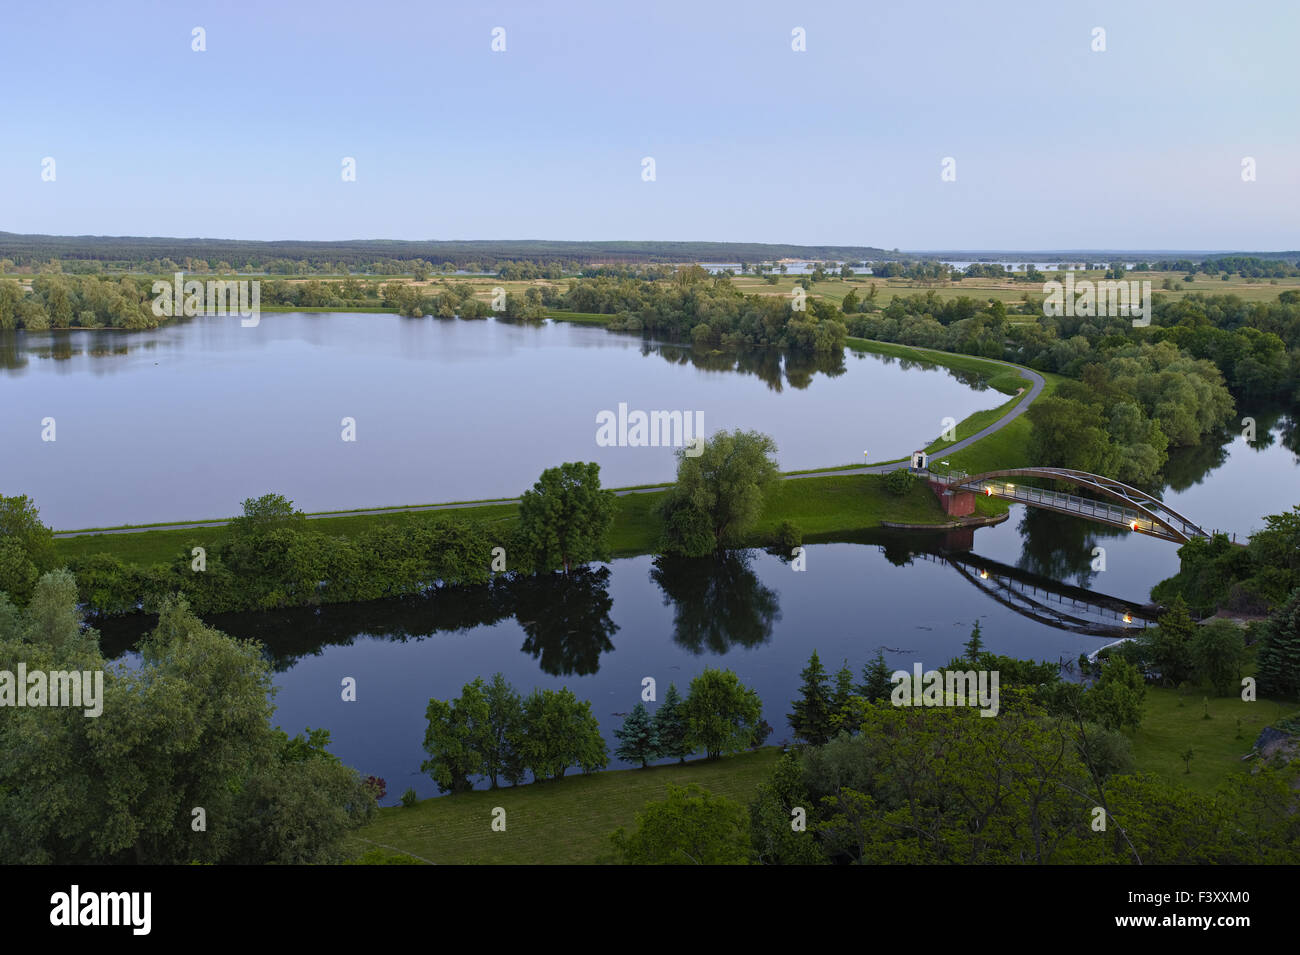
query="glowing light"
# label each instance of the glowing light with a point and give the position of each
(1011, 487)
(984, 575)
(1128, 618)
(1134, 525)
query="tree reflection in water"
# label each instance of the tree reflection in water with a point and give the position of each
(718, 602)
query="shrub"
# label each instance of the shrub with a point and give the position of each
(376, 786)
(899, 482)
(789, 536)
(409, 798)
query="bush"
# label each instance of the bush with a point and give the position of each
(899, 482)
(376, 786)
(789, 536)
(409, 798)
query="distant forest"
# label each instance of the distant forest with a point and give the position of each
(132, 252)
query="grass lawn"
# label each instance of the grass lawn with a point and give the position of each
(560, 822)
(1173, 720)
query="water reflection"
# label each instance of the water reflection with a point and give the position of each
(718, 602)
(567, 619)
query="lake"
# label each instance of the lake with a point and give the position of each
(186, 421)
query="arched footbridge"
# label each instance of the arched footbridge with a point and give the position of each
(1125, 507)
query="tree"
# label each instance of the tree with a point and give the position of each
(564, 520)
(722, 714)
(458, 735)
(637, 737)
(841, 694)
(1171, 644)
(876, 684)
(1218, 651)
(1115, 700)
(29, 540)
(975, 644)
(1279, 651)
(18, 575)
(560, 731)
(190, 726)
(670, 726)
(812, 711)
(691, 827)
(265, 514)
(721, 490)
(505, 723)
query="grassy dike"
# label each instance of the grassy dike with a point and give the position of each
(825, 508)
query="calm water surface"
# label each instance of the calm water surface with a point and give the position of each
(186, 421)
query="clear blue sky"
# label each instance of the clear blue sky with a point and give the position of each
(1056, 146)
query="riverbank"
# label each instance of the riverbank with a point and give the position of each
(568, 821)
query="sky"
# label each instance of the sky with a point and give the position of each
(1056, 145)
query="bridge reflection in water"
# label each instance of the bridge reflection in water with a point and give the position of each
(1048, 601)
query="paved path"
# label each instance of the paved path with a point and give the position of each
(1036, 388)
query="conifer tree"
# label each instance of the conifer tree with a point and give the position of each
(811, 718)
(876, 685)
(842, 693)
(975, 645)
(670, 727)
(636, 737)
(1279, 651)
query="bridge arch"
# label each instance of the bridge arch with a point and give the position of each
(1160, 519)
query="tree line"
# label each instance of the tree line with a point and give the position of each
(491, 732)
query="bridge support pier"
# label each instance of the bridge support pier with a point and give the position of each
(955, 501)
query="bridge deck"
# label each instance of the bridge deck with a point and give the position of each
(1147, 515)
(1112, 514)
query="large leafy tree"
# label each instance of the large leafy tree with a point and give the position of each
(266, 513)
(718, 495)
(458, 735)
(505, 708)
(559, 732)
(189, 728)
(722, 714)
(26, 547)
(691, 827)
(1115, 700)
(565, 519)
